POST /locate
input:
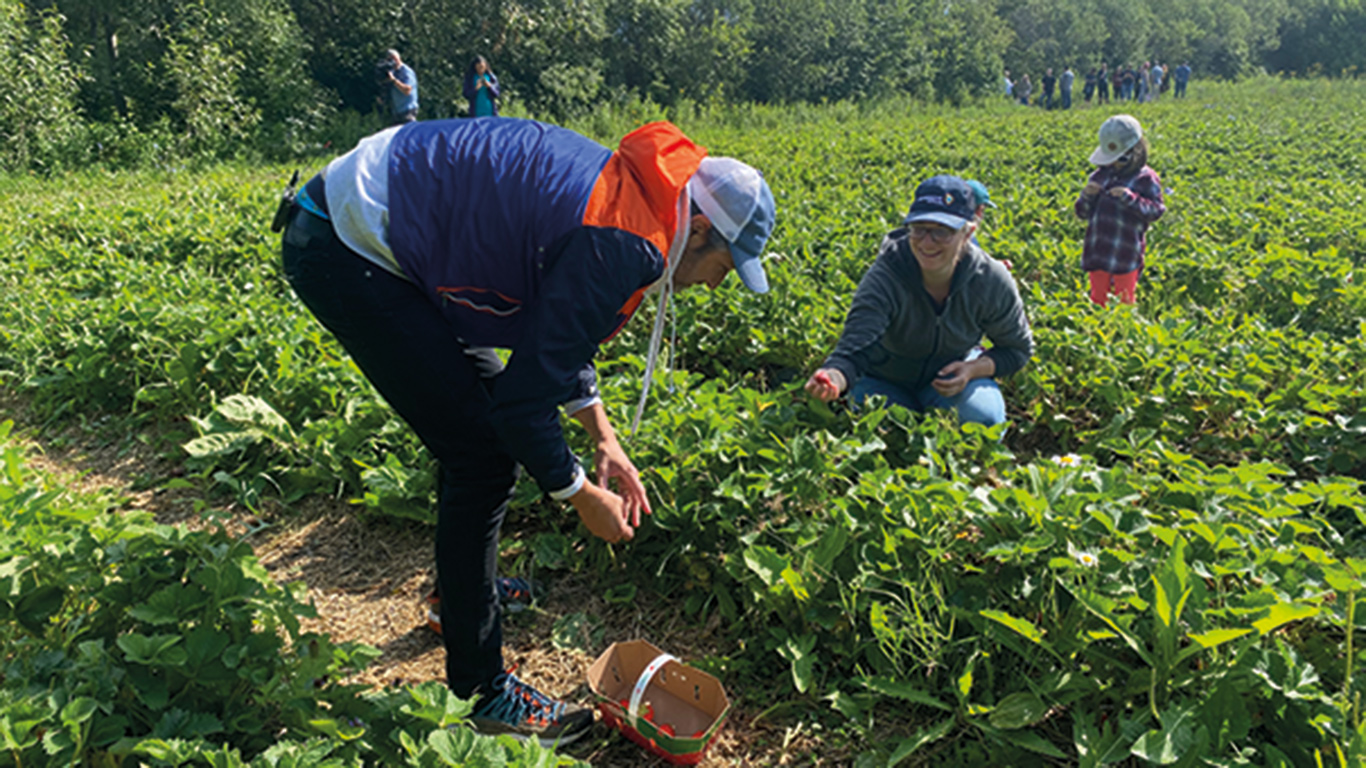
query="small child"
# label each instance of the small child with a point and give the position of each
(1121, 198)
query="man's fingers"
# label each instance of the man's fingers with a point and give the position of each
(635, 490)
(622, 519)
(631, 482)
(640, 498)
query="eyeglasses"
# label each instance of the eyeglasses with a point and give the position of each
(1123, 159)
(936, 234)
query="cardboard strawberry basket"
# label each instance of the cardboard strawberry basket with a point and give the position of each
(660, 703)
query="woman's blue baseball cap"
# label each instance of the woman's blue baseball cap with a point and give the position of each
(946, 200)
(738, 202)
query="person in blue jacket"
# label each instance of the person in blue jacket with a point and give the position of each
(433, 243)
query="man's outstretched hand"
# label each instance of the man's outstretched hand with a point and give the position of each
(603, 513)
(611, 463)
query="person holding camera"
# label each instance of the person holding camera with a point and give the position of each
(402, 81)
(481, 88)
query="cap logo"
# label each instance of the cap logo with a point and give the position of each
(1113, 146)
(948, 199)
(944, 200)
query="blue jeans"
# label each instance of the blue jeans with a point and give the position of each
(403, 345)
(980, 402)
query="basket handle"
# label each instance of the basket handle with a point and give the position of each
(643, 682)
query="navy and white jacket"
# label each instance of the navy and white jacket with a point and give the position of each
(529, 237)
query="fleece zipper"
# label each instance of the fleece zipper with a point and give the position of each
(938, 332)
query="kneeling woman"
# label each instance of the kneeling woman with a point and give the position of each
(921, 311)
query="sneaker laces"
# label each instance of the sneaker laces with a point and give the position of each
(517, 702)
(509, 588)
(514, 588)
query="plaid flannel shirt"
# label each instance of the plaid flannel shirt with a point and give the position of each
(1116, 226)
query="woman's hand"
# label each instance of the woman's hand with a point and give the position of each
(955, 376)
(603, 513)
(1092, 189)
(1118, 192)
(610, 462)
(952, 379)
(826, 384)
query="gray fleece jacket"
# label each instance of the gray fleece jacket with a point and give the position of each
(896, 333)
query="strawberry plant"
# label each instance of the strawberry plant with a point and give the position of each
(1158, 560)
(131, 641)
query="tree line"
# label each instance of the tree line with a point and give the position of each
(121, 82)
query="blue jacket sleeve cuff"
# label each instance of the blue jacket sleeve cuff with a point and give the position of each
(578, 404)
(574, 487)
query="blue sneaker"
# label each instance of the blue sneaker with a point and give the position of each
(514, 708)
(514, 593)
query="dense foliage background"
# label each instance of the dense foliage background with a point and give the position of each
(140, 82)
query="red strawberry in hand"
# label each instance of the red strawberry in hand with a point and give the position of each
(822, 386)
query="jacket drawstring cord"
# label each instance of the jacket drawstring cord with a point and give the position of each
(665, 287)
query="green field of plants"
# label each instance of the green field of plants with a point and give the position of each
(1156, 562)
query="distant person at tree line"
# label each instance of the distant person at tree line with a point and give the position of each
(402, 89)
(1023, 89)
(481, 88)
(1049, 83)
(1089, 89)
(1122, 197)
(1103, 85)
(921, 311)
(1065, 87)
(1182, 77)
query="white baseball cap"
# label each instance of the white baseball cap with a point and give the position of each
(738, 202)
(1117, 135)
